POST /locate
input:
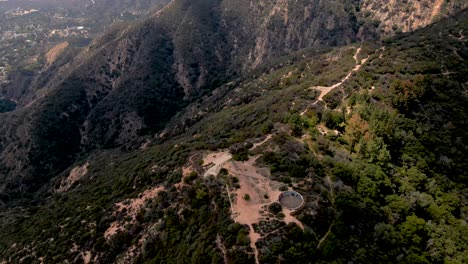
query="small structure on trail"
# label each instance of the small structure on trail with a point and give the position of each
(291, 200)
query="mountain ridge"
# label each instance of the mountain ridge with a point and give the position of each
(380, 146)
(118, 98)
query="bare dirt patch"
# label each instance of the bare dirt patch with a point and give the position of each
(86, 257)
(215, 162)
(323, 130)
(75, 175)
(254, 182)
(187, 169)
(55, 52)
(261, 191)
(131, 207)
(436, 9)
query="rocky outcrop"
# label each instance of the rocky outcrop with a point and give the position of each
(293, 25)
(405, 16)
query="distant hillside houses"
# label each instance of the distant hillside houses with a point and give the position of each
(20, 12)
(69, 31)
(6, 35)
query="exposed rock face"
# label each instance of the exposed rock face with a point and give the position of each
(131, 81)
(406, 16)
(292, 25)
(76, 174)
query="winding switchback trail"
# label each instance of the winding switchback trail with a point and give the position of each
(324, 90)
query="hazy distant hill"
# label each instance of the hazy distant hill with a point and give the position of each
(30, 31)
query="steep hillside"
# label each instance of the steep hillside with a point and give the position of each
(406, 16)
(371, 135)
(132, 80)
(28, 39)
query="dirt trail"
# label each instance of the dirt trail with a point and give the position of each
(461, 38)
(254, 237)
(288, 218)
(332, 198)
(167, 6)
(325, 236)
(230, 199)
(324, 90)
(221, 247)
(256, 145)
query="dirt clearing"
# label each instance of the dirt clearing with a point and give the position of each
(251, 200)
(215, 161)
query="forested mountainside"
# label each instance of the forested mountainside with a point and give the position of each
(169, 141)
(132, 80)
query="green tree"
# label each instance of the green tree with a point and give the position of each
(413, 230)
(356, 129)
(374, 150)
(295, 122)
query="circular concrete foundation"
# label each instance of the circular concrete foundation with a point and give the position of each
(291, 200)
